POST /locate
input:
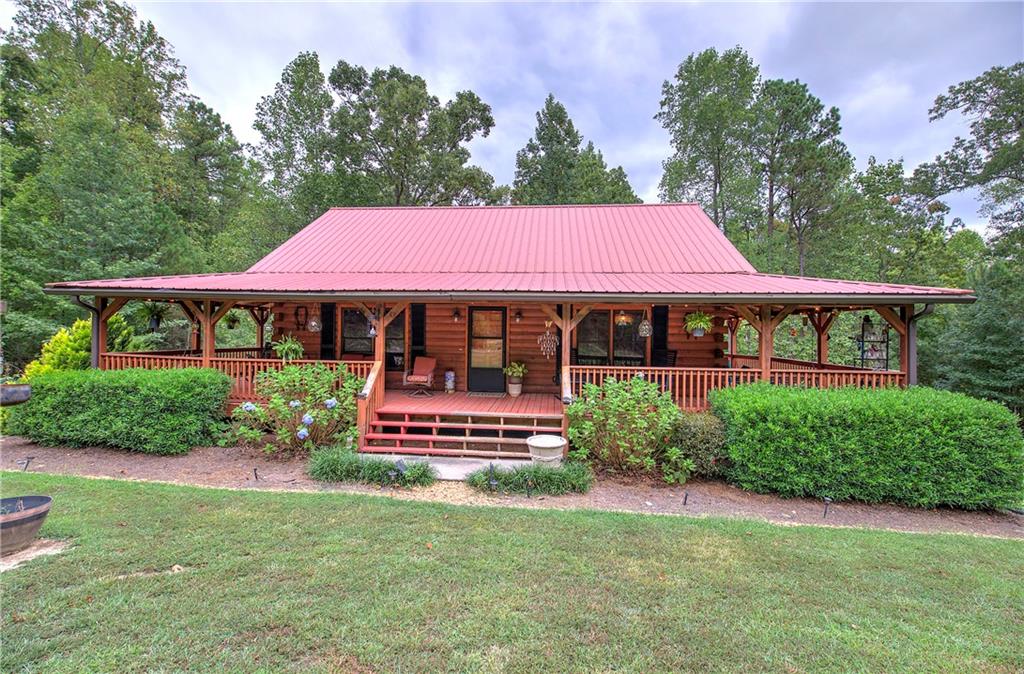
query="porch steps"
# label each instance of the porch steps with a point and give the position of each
(408, 428)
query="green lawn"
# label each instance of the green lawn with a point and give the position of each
(330, 582)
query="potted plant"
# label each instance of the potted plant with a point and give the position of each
(515, 373)
(288, 349)
(698, 322)
(13, 391)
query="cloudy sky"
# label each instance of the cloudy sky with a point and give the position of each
(881, 64)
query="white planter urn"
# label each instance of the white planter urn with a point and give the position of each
(515, 386)
(547, 450)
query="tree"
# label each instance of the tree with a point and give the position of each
(707, 111)
(209, 171)
(544, 167)
(992, 157)
(983, 353)
(552, 169)
(295, 151)
(408, 147)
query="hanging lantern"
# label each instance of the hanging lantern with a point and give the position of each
(645, 329)
(371, 328)
(548, 341)
(314, 324)
(622, 318)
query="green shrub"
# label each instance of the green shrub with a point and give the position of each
(70, 348)
(304, 407)
(339, 463)
(700, 437)
(623, 425)
(151, 411)
(919, 447)
(566, 479)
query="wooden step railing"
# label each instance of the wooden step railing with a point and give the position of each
(370, 398)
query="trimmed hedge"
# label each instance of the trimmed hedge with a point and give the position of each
(566, 479)
(150, 411)
(340, 464)
(700, 436)
(919, 447)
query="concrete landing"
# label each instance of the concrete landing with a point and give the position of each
(455, 468)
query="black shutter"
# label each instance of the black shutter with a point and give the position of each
(417, 330)
(328, 332)
(659, 338)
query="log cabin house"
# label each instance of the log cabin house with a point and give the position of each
(577, 293)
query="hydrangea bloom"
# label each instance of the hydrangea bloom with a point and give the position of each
(249, 407)
(302, 434)
(331, 403)
(307, 419)
(295, 403)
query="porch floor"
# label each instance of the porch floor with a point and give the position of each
(461, 403)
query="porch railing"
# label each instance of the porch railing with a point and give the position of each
(242, 371)
(689, 386)
(740, 360)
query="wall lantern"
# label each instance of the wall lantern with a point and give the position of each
(518, 317)
(456, 315)
(645, 329)
(314, 323)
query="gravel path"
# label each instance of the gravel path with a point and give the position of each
(239, 468)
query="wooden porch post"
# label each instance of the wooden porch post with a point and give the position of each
(765, 343)
(259, 317)
(106, 309)
(822, 322)
(733, 324)
(209, 333)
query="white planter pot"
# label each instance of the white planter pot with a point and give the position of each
(547, 450)
(698, 332)
(515, 388)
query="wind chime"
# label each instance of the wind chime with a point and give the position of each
(548, 341)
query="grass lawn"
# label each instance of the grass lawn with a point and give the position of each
(331, 582)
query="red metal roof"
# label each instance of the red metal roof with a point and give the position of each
(635, 250)
(668, 238)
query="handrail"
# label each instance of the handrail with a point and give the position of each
(566, 384)
(370, 398)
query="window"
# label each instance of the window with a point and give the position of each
(628, 346)
(611, 337)
(394, 344)
(355, 331)
(592, 339)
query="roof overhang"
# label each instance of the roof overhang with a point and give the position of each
(867, 299)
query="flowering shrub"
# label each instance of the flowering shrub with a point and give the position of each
(625, 425)
(305, 406)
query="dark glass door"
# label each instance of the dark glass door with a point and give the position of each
(486, 349)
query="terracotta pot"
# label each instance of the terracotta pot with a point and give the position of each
(22, 516)
(14, 394)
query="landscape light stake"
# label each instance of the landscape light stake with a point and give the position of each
(686, 497)
(24, 463)
(529, 488)
(255, 475)
(492, 481)
(828, 501)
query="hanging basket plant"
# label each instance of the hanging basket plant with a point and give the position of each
(232, 320)
(698, 322)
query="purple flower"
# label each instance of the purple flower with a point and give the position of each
(294, 404)
(307, 419)
(302, 434)
(331, 403)
(249, 407)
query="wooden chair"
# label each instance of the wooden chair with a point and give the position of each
(421, 376)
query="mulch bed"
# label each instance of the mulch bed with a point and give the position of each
(241, 468)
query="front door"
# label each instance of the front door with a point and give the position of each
(486, 349)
